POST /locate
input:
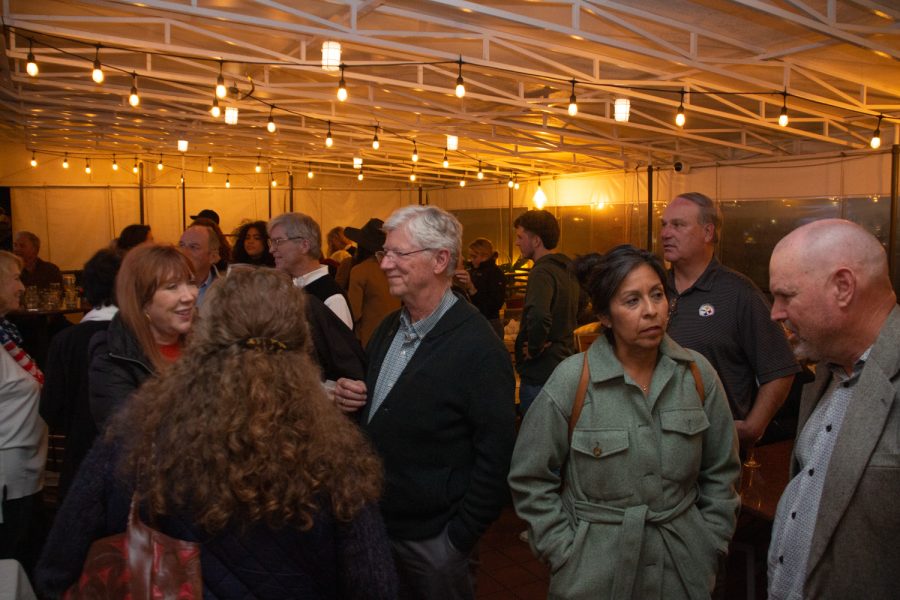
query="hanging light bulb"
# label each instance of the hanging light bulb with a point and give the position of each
(480, 172)
(460, 86)
(274, 181)
(309, 172)
(270, 126)
(360, 176)
(31, 66)
(209, 167)
(214, 110)
(134, 169)
(783, 117)
(415, 154)
(446, 162)
(509, 183)
(182, 178)
(221, 90)
(97, 73)
(159, 165)
(342, 86)
(875, 142)
(227, 180)
(679, 116)
(539, 198)
(33, 159)
(66, 161)
(573, 103)
(375, 143)
(87, 166)
(515, 182)
(133, 98)
(329, 141)
(258, 166)
(412, 174)
(462, 182)
(622, 110)
(115, 165)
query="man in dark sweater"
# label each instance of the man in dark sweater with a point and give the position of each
(437, 403)
(551, 304)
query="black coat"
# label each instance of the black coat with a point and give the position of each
(490, 286)
(118, 368)
(446, 429)
(337, 350)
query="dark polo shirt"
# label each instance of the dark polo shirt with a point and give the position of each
(725, 317)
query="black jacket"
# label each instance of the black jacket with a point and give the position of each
(490, 284)
(446, 429)
(337, 350)
(118, 368)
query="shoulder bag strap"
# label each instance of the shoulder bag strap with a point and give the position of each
(698, 383)
(579, 396)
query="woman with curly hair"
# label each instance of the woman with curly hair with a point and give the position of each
(236, 447)
(252, 245)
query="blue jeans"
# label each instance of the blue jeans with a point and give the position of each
(527, 393)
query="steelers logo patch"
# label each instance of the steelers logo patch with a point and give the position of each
(707, 310)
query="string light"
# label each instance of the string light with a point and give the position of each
(460, 86)
(270, 126)
(182, 178)
(462, 182)
(375, 143)
(329, 141)
(446, 162)
(509, 183)
(622, 110)
(115, 165)
(227, 180)
(360, 176)
(783, 117)
(97, 73)
(539, 198)
(412, 174)
(31, 66)
(66, 161)
(221, 90)
(274, 181)
(573, 103)
(480, 172)
(209, 167)
(679, 116)
(342, 86)
(33, 159)
(133, 98)
(134, 169)
(87, 166)
(159, 165)
(415, 154)
(258, 166)
(309, 172)
(214, 110)
(875, 142)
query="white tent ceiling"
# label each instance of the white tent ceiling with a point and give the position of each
(837, 61)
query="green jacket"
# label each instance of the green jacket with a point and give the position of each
(650, 496)
(548, 318)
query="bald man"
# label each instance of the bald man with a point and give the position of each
(837, 529)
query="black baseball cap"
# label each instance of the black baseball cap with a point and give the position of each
(207, 214)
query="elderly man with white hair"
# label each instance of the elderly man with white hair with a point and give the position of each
(837, 527)
(437, 403)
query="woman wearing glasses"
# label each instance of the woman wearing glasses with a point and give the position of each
(635, 495)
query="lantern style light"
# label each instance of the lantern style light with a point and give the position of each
(622, 110)
(231, 115)
(331, 56)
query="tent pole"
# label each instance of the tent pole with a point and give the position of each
(509, 237)
(183, 204)
(290, 192)
(895, 210)
(650, 208)
(141, 190)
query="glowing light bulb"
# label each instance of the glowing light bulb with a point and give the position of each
(274, 182)
(446, 162)
(679, 118)
(462, 183)
(360, 176)
(342, 87)
(115, 165)
(480, 172)
(31, 66)
(783, 119)
(209, 167)
(258, 166)
(573, 103)
(134, 169)
(133, 98)
(33, 160)
(227, 181)
(460, 85)
(329, 141)
(87, 166)
(415, 154)
(214, 110)
(375, 143)
(412, 176)
(66, 161)
(221, 90)
(159, 165)
(97, 73)
(270, 126)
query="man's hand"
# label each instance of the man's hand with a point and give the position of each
(350, 394)
(748, 433)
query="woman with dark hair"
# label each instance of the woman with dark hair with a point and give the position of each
(629, 492)
(252, 245)
(237, 447)
(65, 400)
(132, 236)
(367, 291)
(156, 293)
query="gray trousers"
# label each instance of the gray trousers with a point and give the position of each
(432, 569)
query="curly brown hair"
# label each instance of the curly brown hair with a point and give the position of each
(240, 430)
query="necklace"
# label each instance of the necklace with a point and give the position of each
(644, 388)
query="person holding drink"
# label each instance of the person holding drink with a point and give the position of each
(484, 282)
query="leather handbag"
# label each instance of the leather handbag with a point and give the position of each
(139, 564)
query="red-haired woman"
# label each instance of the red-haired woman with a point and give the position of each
(156, 293)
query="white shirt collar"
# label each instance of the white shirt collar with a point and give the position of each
(102, 313)
(304, 280)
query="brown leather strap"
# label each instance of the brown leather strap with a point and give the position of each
(579, 397)
(698, 382)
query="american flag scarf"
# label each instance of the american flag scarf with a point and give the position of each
(12, 340)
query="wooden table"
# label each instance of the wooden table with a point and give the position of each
(762, 486)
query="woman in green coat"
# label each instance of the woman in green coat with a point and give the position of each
(640, 499)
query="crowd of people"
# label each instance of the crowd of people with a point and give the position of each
(337, 417)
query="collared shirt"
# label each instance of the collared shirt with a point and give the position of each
(201, 291)
(725, 317)
(405, 343)
(336, 302)
(795, 520)
(101, 313)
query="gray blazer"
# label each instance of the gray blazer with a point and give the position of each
(855, 548)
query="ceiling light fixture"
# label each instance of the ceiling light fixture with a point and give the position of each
(115, 165)
(446, 162)
(258, 166)
(66, 161)
(159, 165)
(539, 198)
(33, 159)
(509, 183)
(462, 182)
(357, 162)
(227, 180)
(274, 181)
(134, 168)
(309, 172)
(360, 176)
(133, 98)
(209, 167)
(783, 119)
(329, 141)
(331, 56)
(87, 166)
(679, 116)
(412, 174)
(460, 86)
(214, 110)
(231, 115)
(342, 86)
(875, 142)
(573, 103)
(622, 110)
(452, 143)
(270, 126)
(31, 66)
(221, 90)
(480, 172)
(182, 145)
(415, 154)
(97, 73)
(375, 143)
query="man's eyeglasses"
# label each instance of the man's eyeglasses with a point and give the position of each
(277, 242)
(394, 255)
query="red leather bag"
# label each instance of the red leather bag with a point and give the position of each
(140, 564)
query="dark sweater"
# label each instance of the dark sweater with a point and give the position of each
(331, 560)
(490, 286)
(446, 429)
